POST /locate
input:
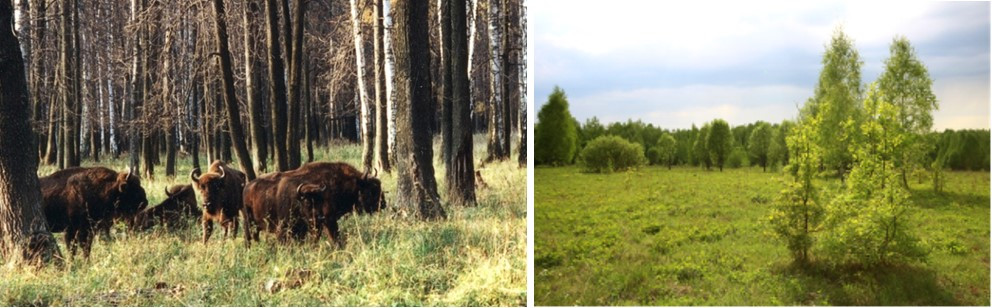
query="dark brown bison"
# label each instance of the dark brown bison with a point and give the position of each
(220, 189)
(178, 207)
(318, 193)
(280, 204)
(80, 201)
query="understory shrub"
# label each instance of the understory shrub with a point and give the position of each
(738, 158)
(612, 153)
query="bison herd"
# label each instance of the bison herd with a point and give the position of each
(297, 203)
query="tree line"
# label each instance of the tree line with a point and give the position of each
(256, 81)
(111, 76)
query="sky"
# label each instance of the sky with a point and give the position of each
(677, 63)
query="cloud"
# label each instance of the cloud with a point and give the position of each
(687, 62)
(680, 107)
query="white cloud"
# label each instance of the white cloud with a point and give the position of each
(734, 42)
(680, 107)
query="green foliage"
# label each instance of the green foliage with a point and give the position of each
(718, 142)
(592, 129)
(868, 222)
(700, 149)
(611, 153)
(737, 158)
(836, 103)
(962, 149)
(759, 144)
(667, 149)
(555, 134)
(798, 212)
(907, 85)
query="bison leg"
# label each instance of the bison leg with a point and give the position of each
(208, 228)
(85, 238)
(70, 237)
(336, 234)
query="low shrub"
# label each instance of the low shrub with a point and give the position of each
(612, 153)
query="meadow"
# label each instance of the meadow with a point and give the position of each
(475, 257)
(692, 237)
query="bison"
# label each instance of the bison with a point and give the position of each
(319, 194)
(280, 204)
(220, 189)
(80, 200)
(178, 206)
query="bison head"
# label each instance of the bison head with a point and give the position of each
(211, 187)
(178, 199)
(370, 198)
(131, 198)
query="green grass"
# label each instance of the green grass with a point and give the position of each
(693, 237)
(475, 257)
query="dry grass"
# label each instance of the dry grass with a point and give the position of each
(476, 257)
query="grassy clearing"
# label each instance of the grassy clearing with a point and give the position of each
(692, 237)
(476, 257)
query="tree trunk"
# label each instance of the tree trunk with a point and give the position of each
(68, 91)
(363, 87)
(444, 10)
(233, 115)
(24, 235)
(416, 185)
(511, 70)
(277, 87)
(37, 81)
(495, 106)
(256, 114)
(134, 145)
(296, 68)
(381, 121)
(170, 126)
(461, 168)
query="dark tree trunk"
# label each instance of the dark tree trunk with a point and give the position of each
(277, 87)
(416, 185)
(381, 121)
(511, 70)
(446, 83)
(233, 115)
(296, 68)
(194, 133)
(253, 76)
(24, 234)
(461, 168)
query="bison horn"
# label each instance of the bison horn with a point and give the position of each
(128, 176)
(298, 188)
(375, 172)
(222, 173)
(195, 174)
(167, 195)
(323, 187)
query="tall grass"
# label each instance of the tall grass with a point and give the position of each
(475, 257)
(689, 237)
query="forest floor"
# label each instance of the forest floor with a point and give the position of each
(475, 257)
(691, 237)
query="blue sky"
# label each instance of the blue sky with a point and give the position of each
(678, 63)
